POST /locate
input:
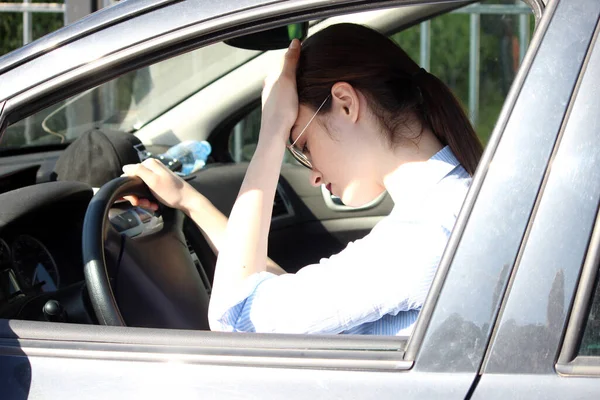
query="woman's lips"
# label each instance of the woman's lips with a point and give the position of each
(328, 187)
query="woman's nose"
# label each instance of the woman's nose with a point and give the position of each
(316, 178)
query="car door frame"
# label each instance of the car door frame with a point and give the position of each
(199, 359)
(513, 201)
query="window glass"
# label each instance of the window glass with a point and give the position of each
(481, 80)
(130, 101)
(487, 42)
(590, 344)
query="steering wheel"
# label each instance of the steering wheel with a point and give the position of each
(150, 281)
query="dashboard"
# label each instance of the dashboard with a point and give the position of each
(41, 260)
(40, 250)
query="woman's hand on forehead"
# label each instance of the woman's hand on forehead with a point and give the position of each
(280, 97)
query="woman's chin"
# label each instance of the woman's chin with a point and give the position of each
(358, 200)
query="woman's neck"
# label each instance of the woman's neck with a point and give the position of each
(406, 158)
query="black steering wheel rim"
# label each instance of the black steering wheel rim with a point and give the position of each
(157, 282)
(95, 272)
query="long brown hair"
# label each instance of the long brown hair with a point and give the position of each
(396, 88)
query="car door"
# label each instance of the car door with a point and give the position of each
(539, 349)
(443, 357)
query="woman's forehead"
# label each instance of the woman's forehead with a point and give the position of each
(304, 115)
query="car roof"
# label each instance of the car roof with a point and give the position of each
(91, 23)
(85, 26)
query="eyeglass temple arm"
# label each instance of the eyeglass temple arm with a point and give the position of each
(313, 117)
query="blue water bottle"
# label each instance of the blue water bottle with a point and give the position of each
(192, 154)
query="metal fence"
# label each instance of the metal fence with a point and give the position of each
(28, 8)
(71, 10)
(475, 11)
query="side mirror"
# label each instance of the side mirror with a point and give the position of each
(272, 39)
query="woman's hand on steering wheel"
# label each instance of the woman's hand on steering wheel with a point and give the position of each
(165, 185)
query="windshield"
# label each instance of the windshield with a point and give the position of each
(130, 101)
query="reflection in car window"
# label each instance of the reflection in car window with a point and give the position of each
(130, 101)
(504, 32)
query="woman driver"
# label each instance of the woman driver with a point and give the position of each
(356, 110)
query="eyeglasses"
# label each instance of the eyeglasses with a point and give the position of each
(297, 153)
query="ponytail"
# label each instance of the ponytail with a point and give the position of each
(449, 123)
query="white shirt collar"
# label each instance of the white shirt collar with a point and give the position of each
(411, 180)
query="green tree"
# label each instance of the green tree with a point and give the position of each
(11, 26)
(449, 59)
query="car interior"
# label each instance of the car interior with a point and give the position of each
(149, 268)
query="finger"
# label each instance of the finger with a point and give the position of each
(145, 203)
(129, 169)
(148, 176)
(155, 166)
(141, 202)
(133, 199)
(291, 59)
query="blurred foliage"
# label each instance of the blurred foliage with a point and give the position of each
(449, 58)
(11, 26)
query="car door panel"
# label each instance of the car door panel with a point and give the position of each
(136, 362)
(127, 379)
(557, 242)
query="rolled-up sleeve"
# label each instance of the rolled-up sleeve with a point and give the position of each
(388, 271)
(233, 316)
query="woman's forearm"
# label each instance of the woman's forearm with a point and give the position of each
(207, 217)
(213, 223)
(243, 249)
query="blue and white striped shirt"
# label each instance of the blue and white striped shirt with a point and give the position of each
(376, 285)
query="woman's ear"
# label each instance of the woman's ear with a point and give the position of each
(345, 100)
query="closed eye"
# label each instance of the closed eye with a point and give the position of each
(292, 133)
(305, 149)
